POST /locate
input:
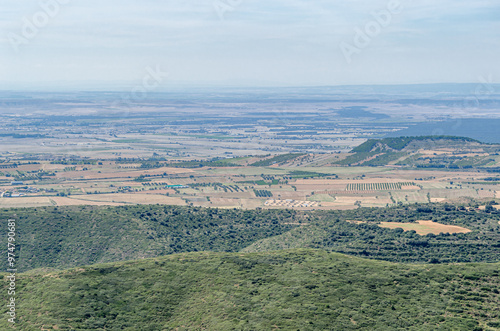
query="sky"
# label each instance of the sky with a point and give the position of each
(155, 44)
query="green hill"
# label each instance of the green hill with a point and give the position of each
(65, 237)
(400, 143)
(285, 290)
(62, 237)
(404, 151)
(335, 231)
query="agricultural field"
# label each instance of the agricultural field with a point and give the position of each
(425, 227)
(289, 203)
(380, 186)
(113, 182)
(261, 165)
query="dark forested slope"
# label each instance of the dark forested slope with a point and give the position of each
(62, 237)
(285, 290)
(71, 236)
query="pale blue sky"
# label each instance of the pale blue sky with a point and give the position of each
(89, 43)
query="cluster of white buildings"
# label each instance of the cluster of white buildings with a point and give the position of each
(18, 192)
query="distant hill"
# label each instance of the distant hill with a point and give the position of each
(483, 129)
(454, 153)
(285, 290)
(412, 143)
(359, 112)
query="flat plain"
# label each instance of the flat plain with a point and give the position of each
(312, 151)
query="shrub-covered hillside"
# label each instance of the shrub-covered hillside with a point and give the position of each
(400, 143)
(71, 236)
(285, 290)
(356, 232)
(405, 151)
(62, 237)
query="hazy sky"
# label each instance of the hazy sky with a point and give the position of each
(87, 43)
